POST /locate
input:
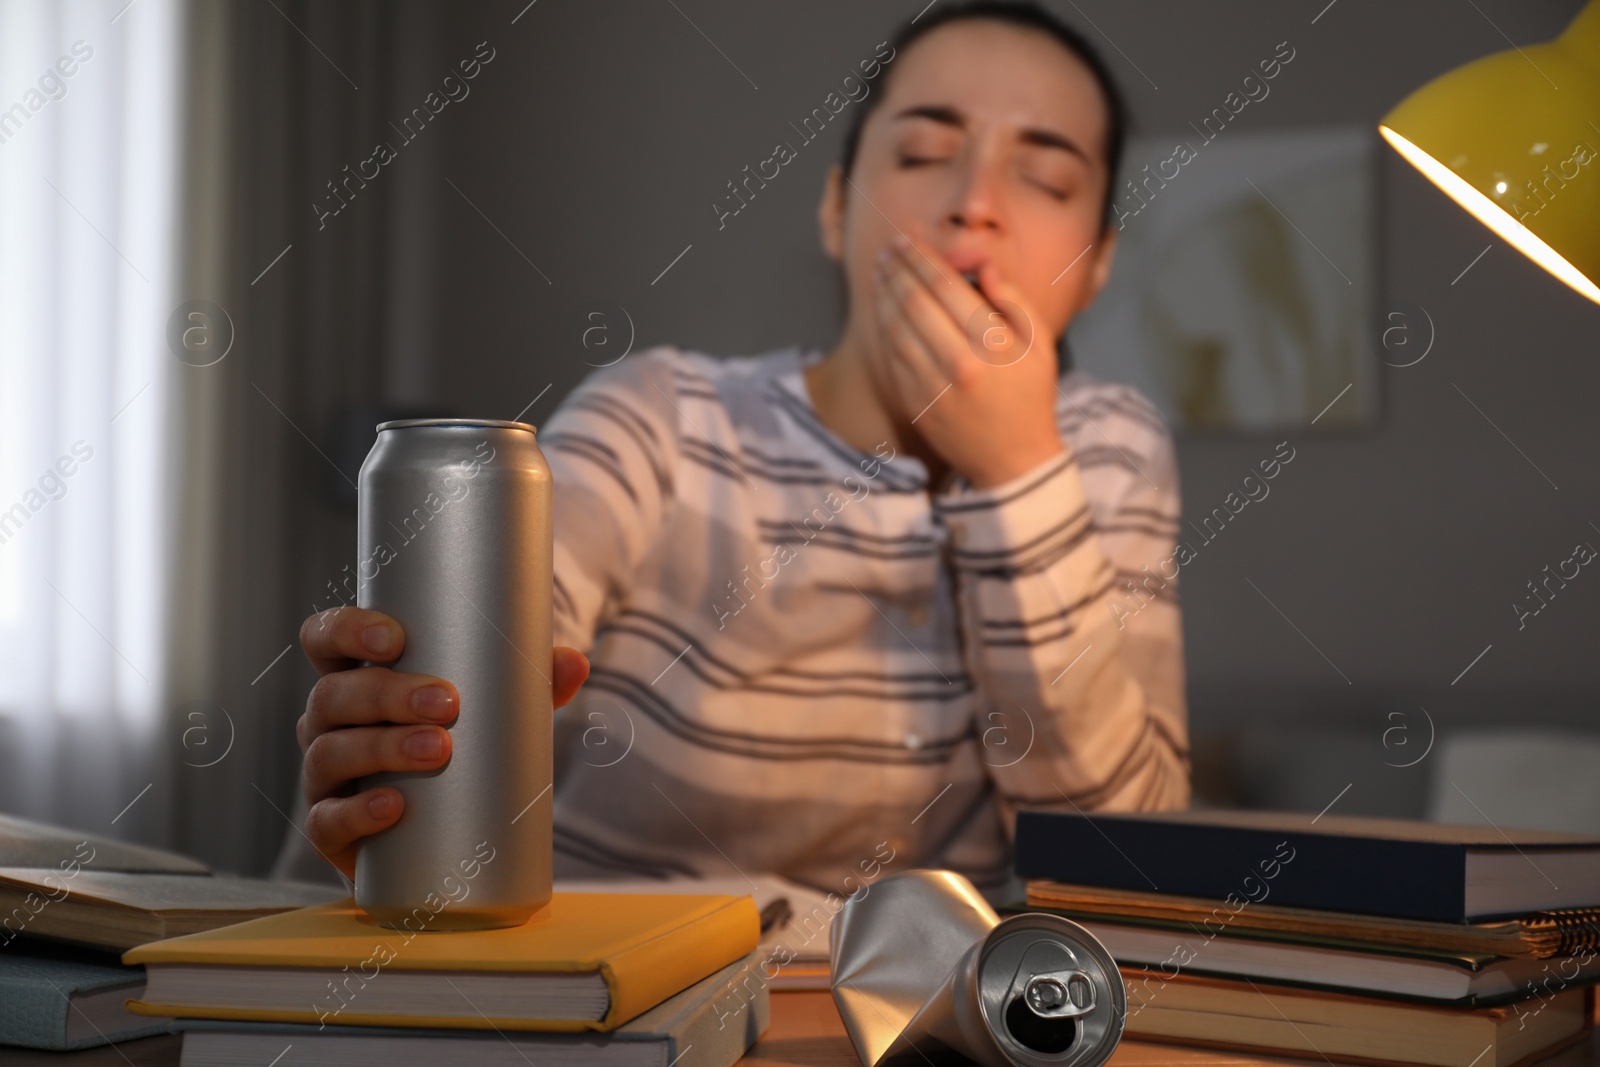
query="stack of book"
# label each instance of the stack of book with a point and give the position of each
(103, 942)
(592, 980)
(71, 903)
(1372, 940)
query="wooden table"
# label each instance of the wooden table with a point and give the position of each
(805, 1032)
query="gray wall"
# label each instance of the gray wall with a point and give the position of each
(596, 141)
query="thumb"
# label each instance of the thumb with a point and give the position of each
(997, 290)
(1010, 301)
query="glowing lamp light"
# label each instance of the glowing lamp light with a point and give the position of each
(1513, 138)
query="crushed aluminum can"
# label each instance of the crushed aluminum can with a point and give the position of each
(925, 973)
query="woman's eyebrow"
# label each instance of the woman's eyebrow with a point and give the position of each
(1036, 135)
(946, 115)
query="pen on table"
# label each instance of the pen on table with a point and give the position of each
(775, 915)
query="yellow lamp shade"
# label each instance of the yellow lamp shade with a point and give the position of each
(1513, 138)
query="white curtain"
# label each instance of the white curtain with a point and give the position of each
(89, 142)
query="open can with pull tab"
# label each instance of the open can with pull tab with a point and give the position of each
(925, 972)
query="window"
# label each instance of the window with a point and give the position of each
(89, 163)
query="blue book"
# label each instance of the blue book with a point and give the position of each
(710, 1024)
(1399, 868)
(62, 997)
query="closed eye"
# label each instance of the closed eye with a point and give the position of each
(1058, 194)
(921, 161)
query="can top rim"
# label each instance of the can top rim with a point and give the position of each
(499, 424)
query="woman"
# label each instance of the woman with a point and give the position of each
(847, 611)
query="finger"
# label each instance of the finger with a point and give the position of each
(911, 340)
(946, 340)
(340, 757)
(916, 374)
(367, 695)
(912, 371)
(996, 287)
(1009, 301)
(335, 824)
(886, 364)
(930, 266)
(942, 282)
(995, 318)
(569, 670)
(334, 640)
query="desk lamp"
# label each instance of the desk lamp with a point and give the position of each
(1514, 138)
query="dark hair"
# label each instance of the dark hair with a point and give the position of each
(1026, 15)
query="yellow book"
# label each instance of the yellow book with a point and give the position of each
(587, 961)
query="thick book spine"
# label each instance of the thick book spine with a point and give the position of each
(645, 974)
(34, 1014)
(713, 1023)
(1294, 868)
(718, 1031)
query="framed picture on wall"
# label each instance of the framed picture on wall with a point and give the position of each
(1242, 292)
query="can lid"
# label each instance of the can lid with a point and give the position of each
(1050, 993)
(499, 424)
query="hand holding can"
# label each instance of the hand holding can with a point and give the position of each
(454, 542)
(454, 546)
(360, 720)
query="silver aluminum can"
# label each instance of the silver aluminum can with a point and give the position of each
(454, 542)
(925, 972)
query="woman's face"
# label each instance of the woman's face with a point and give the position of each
(989, 146)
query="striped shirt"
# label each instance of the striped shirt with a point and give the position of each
(804, 662)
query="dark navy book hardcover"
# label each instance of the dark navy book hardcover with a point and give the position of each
(1400, 868)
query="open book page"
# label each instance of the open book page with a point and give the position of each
(168, 892)
(27, 843)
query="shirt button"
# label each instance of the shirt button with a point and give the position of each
(913, 741)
